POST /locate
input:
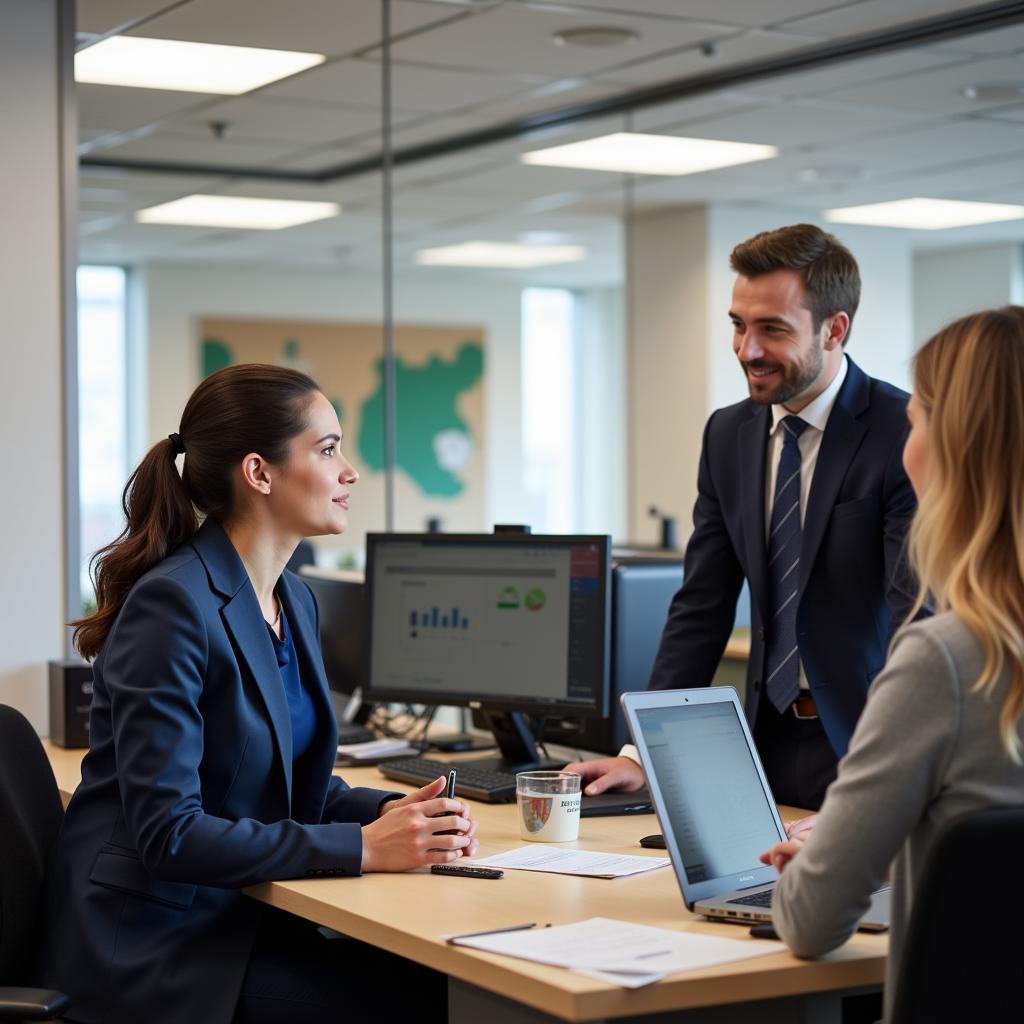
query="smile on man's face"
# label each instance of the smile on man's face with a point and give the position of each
(782, 356)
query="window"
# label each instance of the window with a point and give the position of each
(102, 410)
(549, 409)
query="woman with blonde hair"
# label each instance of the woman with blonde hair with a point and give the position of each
(942, 733)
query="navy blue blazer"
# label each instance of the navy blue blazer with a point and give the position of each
(855, 588)
(188, 793)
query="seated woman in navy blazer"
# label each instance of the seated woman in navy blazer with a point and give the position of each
(212, 740)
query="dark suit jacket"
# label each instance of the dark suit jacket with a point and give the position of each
(855, 589)
(189, 793)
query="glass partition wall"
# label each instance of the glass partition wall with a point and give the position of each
(514, 331)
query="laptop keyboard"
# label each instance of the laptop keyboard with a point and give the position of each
(755, 899)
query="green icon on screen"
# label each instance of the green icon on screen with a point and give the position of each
(535, 599)
(508, 598)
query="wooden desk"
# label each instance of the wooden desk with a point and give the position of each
(408, 915)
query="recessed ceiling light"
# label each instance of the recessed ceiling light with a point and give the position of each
(595, 36)
(237, 212)
(925, 214)
(186, 67)
(500, 254)
(636, 153)
(994, 92)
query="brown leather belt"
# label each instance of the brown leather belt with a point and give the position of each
(804, 706)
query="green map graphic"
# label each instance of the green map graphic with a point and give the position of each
(428, 425)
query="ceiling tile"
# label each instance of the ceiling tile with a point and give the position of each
(112, 108)
(101, 16)
(738, 49)
(800, 123)
(258, 119)
(847, 73)
(194, 150)
(314, 26)
(873, 15)
(515, 38)
(935, 91)
(1005, 40)
(413, 88)
(737, 12)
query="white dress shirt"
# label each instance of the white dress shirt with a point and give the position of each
(815, 414)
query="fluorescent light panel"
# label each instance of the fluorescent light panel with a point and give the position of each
(500, 254)
(237, 212)
(925, 214)
(638, 153)
(186, 67)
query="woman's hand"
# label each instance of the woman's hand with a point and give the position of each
(421, 828)
(782, 853)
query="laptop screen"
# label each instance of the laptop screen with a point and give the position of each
(720, 814)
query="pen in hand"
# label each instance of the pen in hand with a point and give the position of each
(450, 794)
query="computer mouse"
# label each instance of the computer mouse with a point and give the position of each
(654, 842)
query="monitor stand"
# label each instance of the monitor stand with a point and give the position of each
(515, 740)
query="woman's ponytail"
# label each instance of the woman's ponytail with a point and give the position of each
(159, 517)
(250, 407)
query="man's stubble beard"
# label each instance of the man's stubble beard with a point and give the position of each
(795, 380)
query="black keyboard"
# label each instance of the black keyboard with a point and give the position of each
(755, 899)
(491, 787)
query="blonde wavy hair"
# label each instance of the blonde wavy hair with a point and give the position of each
(967, 538)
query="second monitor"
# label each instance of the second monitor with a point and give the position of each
(508, 623)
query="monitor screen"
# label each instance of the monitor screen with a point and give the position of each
(509, 621)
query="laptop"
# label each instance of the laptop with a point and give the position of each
(713, 802)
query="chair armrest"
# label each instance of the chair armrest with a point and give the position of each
(31, 1003)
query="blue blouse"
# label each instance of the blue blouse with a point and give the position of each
(300, 704)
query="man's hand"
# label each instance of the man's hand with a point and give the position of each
(608, 773)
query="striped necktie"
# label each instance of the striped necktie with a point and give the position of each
(782, 661)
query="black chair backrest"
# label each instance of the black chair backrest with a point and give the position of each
(30, 816)
(963, 952)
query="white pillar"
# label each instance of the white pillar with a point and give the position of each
(32, 413)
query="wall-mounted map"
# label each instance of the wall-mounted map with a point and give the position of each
(439, 384)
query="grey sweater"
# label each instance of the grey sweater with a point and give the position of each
(926, 750)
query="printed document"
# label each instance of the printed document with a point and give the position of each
(537, 857)
(625, 954)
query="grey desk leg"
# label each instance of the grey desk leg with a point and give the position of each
(470, 1005)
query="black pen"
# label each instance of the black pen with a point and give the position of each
(492, 931)
(450, 794)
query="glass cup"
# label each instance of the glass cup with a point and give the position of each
(549, 806)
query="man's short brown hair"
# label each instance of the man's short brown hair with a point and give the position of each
(829, 271)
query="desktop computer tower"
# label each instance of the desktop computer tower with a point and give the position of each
(70, 702)
(642, 590)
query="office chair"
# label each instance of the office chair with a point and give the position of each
(30, 818)
(962, 956)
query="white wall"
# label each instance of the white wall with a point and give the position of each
(949, 283)
(31, 520)
(177, 297)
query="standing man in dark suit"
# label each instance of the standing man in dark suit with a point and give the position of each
(801, 491)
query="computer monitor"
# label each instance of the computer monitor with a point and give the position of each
(509, 623)
(341, 598)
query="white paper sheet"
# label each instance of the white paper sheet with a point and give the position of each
(374, 749)
(618, 951)
(538, 857)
